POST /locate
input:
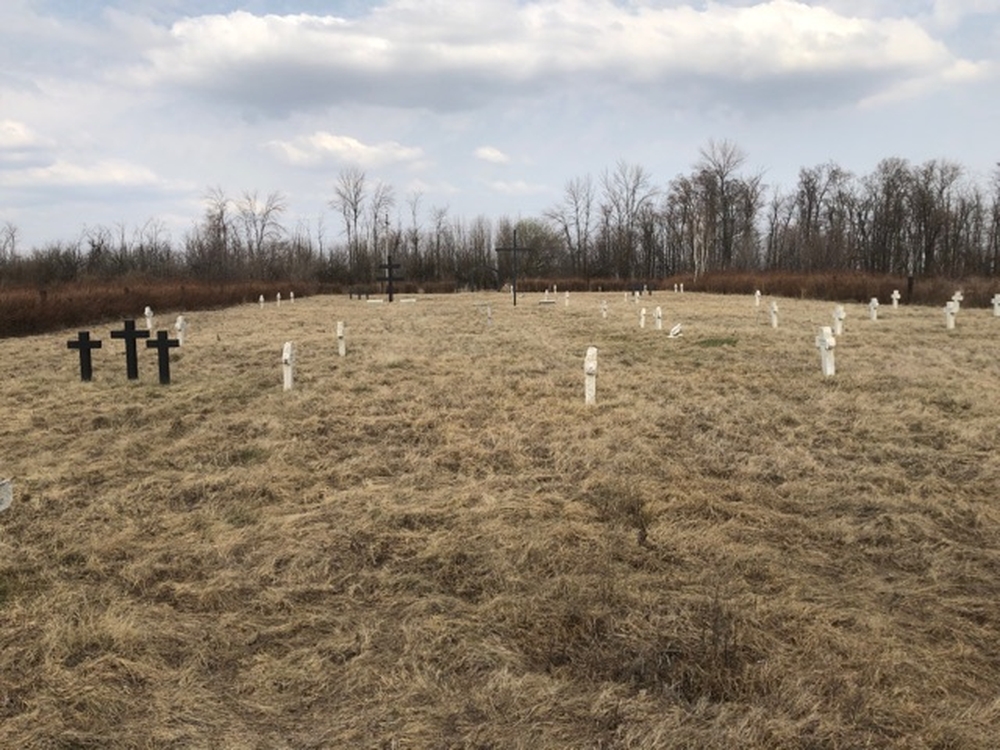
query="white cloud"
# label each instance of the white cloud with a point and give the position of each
(16, 135)
(518, 187)
(105, 173)
(491, 155)
(446, 55)
(322, 147)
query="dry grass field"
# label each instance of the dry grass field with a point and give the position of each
(434, 543)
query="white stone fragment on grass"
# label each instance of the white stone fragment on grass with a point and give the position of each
(675, 332)
(895, 298)
(590, 376)
(288, 364)
(873, 309)
(6, 493)
(180, 327)
(341, 342)
(825, 342)
(838, 320)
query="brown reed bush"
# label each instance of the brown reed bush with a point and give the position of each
(432, 542)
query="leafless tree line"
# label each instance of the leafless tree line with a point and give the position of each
(904, 219)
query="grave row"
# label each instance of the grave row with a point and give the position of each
(131, 335)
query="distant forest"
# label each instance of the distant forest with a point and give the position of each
(931, 219)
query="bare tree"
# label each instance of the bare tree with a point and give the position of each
(261, 225)
(349, 197)
(572, 217)
(719, 163)
(8, 242)
(627, 190)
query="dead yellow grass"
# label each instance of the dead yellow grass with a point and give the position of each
(433, 543)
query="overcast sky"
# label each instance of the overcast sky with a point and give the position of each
(115, 113)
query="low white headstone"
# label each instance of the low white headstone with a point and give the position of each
(950, 310)
(288, 364)
(838, 320)
(277, 298)
(645, 289)
(873, 308)
(291, 297)
(635, 296)
(895, 298)
(682, 287)
(642, 318)
(996, 305)
(756, 298)
(590, 376)
(341, 343)
(825, 342)
(261, 301)
(555, 288)
(774, 314)
(546, 297)
(6, 493)
(148, 312)
(566, 298)
(675, 287)
(658, 315)
(180, 327)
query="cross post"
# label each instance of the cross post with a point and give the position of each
(131, 335)
(513, 250)
(84, 344)
(388, 267)
(163, 344)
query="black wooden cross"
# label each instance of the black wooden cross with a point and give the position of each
(84, 344)
(389, 278)
(514, 250)
(130, 334)
(163, 344)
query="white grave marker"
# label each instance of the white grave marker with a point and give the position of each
(996, 305)
(341, 343)
(756, 298)
(277, 298)
(950, 310)
(642, 318)
(604, 309)
(590, 376)
(957, 298)
(566, 298)
(895, 299)
(682, 287)
(261, 301)
(635, 296)
(291, 297)
(645, 289)
(626, 296)
(675, 288)
(873, 309)
(6, 493)
(288, 364)
(180, 326)
(825, 342)
(774, 314)
(838, 320)
(150, 322)
(658, 315)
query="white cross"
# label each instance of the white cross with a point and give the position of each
(825, 342)
(895, 298)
